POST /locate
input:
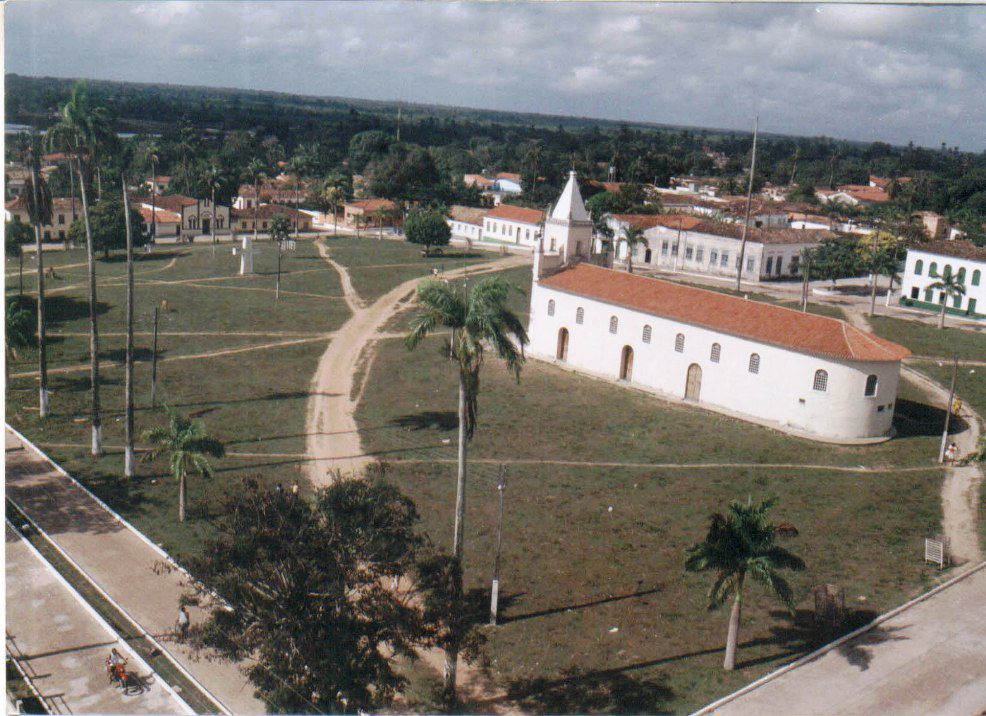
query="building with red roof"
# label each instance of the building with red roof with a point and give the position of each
(804, 373)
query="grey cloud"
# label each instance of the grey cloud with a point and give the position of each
(863, 72)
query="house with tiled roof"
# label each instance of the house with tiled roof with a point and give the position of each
(158, 185)
(510, 224)
(371, 212)
(853, 195)
(197, 217)
(927, 263)
(259, 218)
(804, 373)
(466, 222)
(63, 212)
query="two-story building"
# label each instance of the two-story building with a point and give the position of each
(513, 225)
(196, 216)
(926, 264)
(259, 218)
(63, 213)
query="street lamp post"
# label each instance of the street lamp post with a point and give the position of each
(495, 595)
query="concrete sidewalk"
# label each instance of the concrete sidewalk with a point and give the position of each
(926, 659)
(62, 645)
(120, 560)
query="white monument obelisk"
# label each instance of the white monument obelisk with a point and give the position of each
(246, 252)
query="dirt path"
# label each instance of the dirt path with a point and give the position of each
(960, 490)
(353, 300)
(333, 442)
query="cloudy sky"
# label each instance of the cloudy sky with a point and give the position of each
(866, 72)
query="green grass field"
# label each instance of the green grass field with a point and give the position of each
(926, 340)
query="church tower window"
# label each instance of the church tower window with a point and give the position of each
(647, 334)
(579, 315)
(551, 307)
(679, 343)
(613, 324)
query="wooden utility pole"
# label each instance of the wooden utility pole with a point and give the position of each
(805, 283)
(873, 276)
(128, 427)
(154, 362)
(495, 596)
(749, 204)
(948, 408)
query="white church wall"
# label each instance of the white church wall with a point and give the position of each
(782, 391)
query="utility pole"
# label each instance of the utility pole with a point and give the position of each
(495, 596)
(749, 203)
(948, 408)
(873, 276)
(794, 169)
(128, 457)
(154, 362)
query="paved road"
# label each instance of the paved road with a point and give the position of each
(61, 644)
(119, 560)
(928, 659)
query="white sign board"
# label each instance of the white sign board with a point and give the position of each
(935, 551)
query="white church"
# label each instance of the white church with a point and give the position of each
(808, 374)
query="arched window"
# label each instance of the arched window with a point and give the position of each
(716, 352)
(871, 382)
(647, 334)
(551, 307)
(614, 323)
(960, 276)
(821, 383)
(918, 267)
(754, 362)
(976, 275)
(947, 271)
(679, 343)
(933, 269)
(579, 315)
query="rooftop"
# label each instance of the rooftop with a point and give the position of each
(649, 221)
(371, 205)
(520, 214)
(734, 230)
(754, 320)
(467, 214)
(958, 248)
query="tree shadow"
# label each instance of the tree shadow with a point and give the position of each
(445, 420)
(118, 258)
(62, 309)
(141, 355)
(914, 419)
(581, 692)
(81, 383)
(583, 605)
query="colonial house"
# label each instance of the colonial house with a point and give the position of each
(885, 182)
(260, 218)
(513, 225)
(15, 180)
(64, 212)
(816, 376)
(496, 188)
(927, 263)
(676, 242)
(280, 190)
(853, 195)
(158, 185)
(197, 216)
(370, 212)
(159, 221)
(935, 225)
(466, 223)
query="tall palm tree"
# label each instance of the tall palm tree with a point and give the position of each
(212, 180)
(255, 173)
(633, 236)
(335, 197)
(188, 445)
(81, 131)
(39, 209)
(151, 153)
(478, 319)
(128, 425)
(883, 262)
(950, 287)
(741, 544)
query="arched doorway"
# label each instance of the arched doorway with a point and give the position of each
(626, 364)
(693, 386)
(647, 256)
(562, 352)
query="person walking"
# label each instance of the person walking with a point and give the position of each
(182, 624)
(294, 489)
(951, 452)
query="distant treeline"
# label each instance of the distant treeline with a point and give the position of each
(229, 128)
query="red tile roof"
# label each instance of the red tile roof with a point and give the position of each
(957, 248)
(268, 211)
(159, 215)
(520, 214)
(649, 221)
(467, 214)
(860, 192)
(171, 202)
(509, 175)
(734, 230)
(370, 206)
(754, 320)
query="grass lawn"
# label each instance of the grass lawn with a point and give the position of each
(577, 570)
(925, 340)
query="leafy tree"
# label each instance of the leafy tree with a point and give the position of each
(212, 180)
(308, 582)
(632, 237)
(406, 172)
(256, 173)
(476, 320)
(367, 147)
(108, 227)
(837, 258)
(427, 228)
(19, 328)
(188, 446)
(333, 197)
(950, 287)
(741, 544)
(16, 234)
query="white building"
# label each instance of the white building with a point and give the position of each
(775, 366)
(466, 223)
(512, 225)
(676, 242)
(927, 263)
(196, 216)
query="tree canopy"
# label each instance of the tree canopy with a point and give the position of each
(109, 230)
(428, 229)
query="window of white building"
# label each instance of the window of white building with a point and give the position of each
(918, 267)
(871, 383)
(551, 307)
(688, 253)
(647, 334)
(579, 315)
(664, 248)
(613, 324)
(716, 353)
(754, 362)
(724, 261)
(699, 255)
(713, 257)
(821, 383)
(679, 343)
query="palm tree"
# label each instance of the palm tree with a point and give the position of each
(212, 180)
(188, 445)
(80, 132)
(950, 287)
(633, 236)
(151, 152)
(883, 262)
(255, 173)
(740, 544)
(39, 208)
(334, 196)
(128, 426)
(479, 319)
(18, 329)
